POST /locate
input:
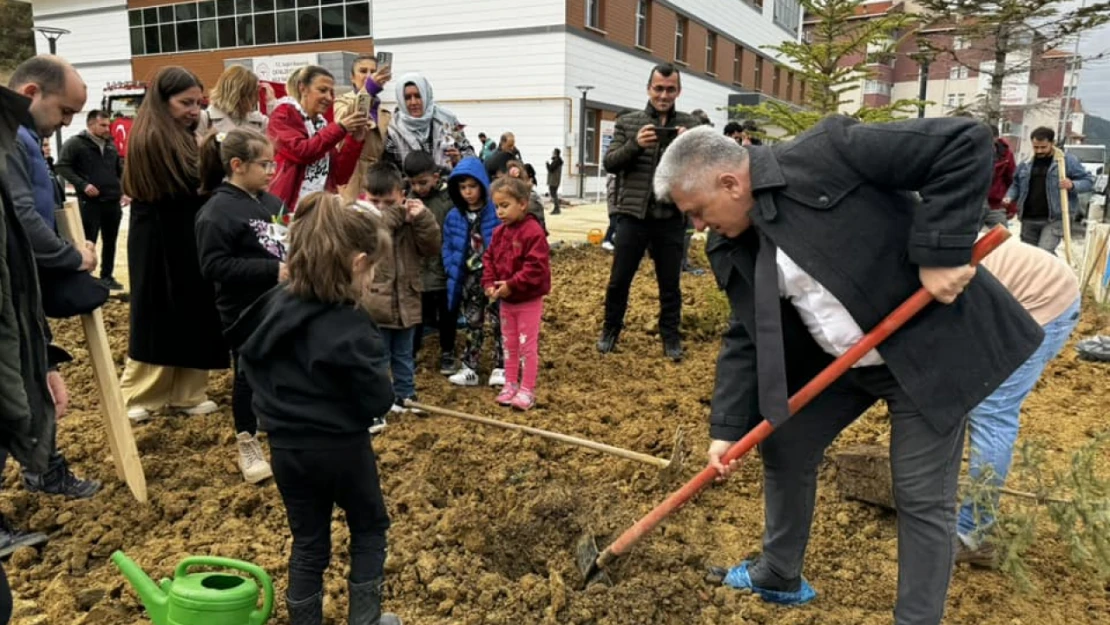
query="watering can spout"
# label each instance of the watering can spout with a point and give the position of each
(154, 600)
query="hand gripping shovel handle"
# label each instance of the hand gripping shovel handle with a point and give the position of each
(881, 332)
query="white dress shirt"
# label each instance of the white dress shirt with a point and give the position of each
(825, 317)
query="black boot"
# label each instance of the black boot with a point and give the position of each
(59, 480)
(672, 347)
(608, 339)
(306, 611)
(365, 605)
(12, 538)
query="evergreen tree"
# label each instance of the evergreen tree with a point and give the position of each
(832, 62)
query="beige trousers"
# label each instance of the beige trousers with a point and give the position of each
(154, 387)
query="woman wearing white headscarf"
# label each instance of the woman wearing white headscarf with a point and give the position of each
(422, 125)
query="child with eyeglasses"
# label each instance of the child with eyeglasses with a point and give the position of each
(241, 245)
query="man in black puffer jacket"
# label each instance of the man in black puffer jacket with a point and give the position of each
(642, 223)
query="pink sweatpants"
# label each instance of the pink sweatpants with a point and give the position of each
(520, 327)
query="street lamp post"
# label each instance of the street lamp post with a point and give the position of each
(52, 35)
(924, 58)
(582, 140)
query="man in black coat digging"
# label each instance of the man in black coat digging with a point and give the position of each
(816, 240)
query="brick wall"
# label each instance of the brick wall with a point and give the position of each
(209, 65)
(618, 25)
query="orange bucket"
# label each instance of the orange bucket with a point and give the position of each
(595, 236)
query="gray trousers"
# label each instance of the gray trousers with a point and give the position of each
(1042, 233)
(993, 217)
(925, 465)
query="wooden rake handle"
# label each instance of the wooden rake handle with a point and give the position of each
(555, 436)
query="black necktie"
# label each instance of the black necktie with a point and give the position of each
(770, 354)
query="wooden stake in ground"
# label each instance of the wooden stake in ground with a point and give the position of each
(125, 454)
(1065, 213)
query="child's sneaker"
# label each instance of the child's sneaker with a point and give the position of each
(464, 377)
(524, 400)
(252, 463)
(378, 425)
(508, 392)
(448, 365)
(497, 377)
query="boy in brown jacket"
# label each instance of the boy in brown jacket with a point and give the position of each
(396, 293)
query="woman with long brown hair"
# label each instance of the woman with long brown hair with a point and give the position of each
(175, 328)
(233, 103)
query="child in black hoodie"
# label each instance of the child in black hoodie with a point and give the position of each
(309, 349)
(241, 249)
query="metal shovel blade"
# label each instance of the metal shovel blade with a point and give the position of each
(586, 554)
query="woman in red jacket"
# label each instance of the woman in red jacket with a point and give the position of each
(517, 270)
(305, 143)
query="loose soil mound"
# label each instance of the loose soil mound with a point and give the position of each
(485, 521)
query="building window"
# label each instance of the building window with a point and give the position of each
(872, 87)
(215, 24)
(788, 15)
(643, 23)
(790, 86)
(680, 27)
(592, 123)
(960, 43)
(957, 72)
(711, 53)
(776, 82)
(954, 100)
(759, 73)
(738, 65)
(593, 14)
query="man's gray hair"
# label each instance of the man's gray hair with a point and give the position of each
(693, 157)
(48, 72)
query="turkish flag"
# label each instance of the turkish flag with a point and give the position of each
(121, 129)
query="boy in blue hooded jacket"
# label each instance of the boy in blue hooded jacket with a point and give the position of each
(466, 235)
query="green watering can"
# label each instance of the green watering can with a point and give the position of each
(202, 598)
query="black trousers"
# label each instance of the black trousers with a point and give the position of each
(99, 216)
(241, 397)
(611, 231)
(663, 238)
(5, 598)
(554, 191)
(312, 482)
(435, 314)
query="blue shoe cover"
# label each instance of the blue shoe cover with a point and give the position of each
(738, 578)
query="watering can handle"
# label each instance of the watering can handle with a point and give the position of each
(258, 617)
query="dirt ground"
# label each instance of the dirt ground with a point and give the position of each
(485, 521)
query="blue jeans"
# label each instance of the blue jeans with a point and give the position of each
(994, 422)
(399, 360)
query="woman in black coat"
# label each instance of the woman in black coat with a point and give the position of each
(175, 330)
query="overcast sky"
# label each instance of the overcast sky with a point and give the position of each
(1094, 79)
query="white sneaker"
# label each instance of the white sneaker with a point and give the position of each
(497, 377)
(377, 426)
(397, 409)
(138, 415)
(607, 246)
(204, 407)
(464, 377)
(252, 462)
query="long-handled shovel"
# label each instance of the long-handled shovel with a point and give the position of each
(669, 467)
(592, 564)
(1065, 210)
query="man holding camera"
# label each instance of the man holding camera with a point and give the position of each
(642, 222)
